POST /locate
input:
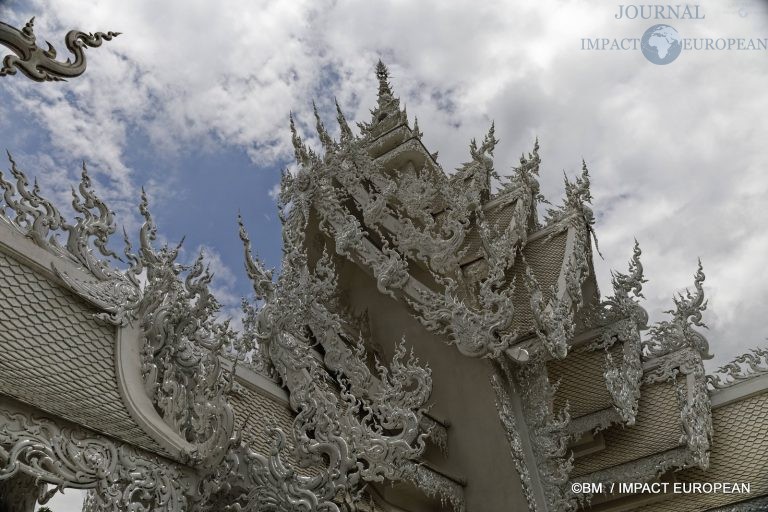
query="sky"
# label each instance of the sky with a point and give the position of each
(191, 102)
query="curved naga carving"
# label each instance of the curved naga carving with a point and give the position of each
(41, 65)
(181, 338)
(175, 312)
(477, 332)
(742, 368)
(680, 349)
(371, 431)
(182, 343)
(627, 289)
(32, 215)
(623, 319)
(472, 181)
(554, 319)
(669, 336)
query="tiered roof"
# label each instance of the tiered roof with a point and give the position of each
(498, 300)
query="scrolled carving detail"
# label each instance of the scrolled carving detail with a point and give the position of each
(622, 319)
(509, 423)
(623, 380)
(119, 476)
(370, 431)
(742, 368)
(484, 331)
(41, 65)
(696, 417)
(548, 432)
(554, 318)
(671, 335)
(181, 337)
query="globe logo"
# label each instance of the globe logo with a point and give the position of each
(661, 44)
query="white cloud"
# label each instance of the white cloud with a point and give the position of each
(274, 192)
(674, 150)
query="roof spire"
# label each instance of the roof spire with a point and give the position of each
(387, 114)
(382, 73)
(302, 153)
(490, 141)
(346, 132)
(416, 132)
(322, 133)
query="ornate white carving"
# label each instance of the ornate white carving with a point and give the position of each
(355, 421)
(181, 339)
(623, 318)
(34, 216)
(372, 431)
(696, 416)
(381, 221)
(623, 380)
(548, 432)
(668, 336)
(594, 422)
(744, 367)
(511, 430)
(675, 349)
(41, 65)
(554, 318)
(182, 343)
(693, 397)
(120, 476)
(476, 332)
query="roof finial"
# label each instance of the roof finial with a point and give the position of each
(387, 113)
(322, 133)
(416, 132)
(382, 73)
(490, 141)
(346, 132)
(303, 154)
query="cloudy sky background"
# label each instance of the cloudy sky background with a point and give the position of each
(192, 103)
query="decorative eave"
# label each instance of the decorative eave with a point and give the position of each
(738, 391)
(390, 262)
(53, 265)
(684, 370)
(744, 369)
